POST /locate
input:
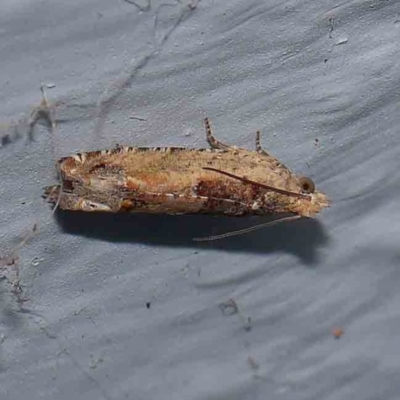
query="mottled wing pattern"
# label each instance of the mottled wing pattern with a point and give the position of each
(175, 180)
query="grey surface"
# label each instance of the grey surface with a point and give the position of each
(297, 70)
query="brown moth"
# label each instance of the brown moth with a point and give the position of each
(173, 180)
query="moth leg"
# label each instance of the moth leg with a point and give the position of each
(214, 143)
(259, 149)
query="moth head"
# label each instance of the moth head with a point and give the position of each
(307, 185)
(302, 200)
(314, 202)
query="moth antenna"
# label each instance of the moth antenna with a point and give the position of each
(262, 185)
(246, 230)
(259, 149)
(212, 141)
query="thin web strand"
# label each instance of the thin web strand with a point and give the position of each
(246, 230)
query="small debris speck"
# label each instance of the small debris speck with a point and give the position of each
(337, 333)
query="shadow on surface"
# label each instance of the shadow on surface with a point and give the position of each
(300, 238)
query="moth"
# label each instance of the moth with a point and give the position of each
(175, 180)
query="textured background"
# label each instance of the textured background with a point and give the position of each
(124, 307)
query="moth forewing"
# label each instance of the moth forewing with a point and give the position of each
(218, 180)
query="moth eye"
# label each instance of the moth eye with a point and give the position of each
(307, 185)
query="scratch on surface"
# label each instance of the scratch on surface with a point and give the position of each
(111, 94)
